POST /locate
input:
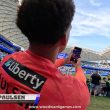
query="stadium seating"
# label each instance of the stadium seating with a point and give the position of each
(8, 28)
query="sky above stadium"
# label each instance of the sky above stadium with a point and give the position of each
(91, 25)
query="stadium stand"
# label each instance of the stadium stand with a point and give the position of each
(8, 28)
(7, 47)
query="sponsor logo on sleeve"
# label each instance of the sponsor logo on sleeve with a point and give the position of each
(24, 75)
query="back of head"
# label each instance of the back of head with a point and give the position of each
(96, 73)
(104, 79)
(45, 21)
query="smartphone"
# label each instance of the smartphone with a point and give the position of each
(76, 54)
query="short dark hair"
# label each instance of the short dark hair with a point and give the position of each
(104, 78)
(45, 21)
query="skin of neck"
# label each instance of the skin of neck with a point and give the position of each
(50, 51)
(47, 51)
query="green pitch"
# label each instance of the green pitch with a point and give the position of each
(99, 103)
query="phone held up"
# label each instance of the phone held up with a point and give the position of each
(76, 53)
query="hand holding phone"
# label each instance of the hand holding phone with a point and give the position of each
(76, 53)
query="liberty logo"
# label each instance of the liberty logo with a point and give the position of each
(24, 75)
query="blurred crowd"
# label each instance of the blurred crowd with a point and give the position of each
(97, 65)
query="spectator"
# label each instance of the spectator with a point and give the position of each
(95, 83)
(88, 83)
(104, 88)
(47, 24)
(108, 87)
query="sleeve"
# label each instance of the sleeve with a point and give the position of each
(80, 74)
(59, 62)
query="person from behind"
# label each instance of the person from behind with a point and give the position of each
(95, 83)
(108, 87)
(47, 24)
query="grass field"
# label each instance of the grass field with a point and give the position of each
(99, 103)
